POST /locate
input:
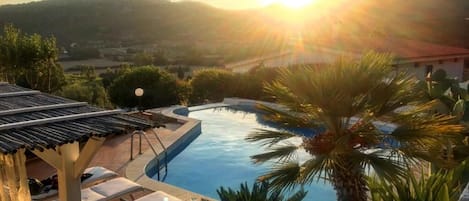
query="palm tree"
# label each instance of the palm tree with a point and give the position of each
(343, 105)
(259, 192)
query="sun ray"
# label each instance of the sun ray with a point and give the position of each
(288, 3)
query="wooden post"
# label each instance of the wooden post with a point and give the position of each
(69, 184)
(13, 177)
(87, 154)
(70, 164)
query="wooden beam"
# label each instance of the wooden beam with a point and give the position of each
(87, 153)
(69, 184)
(58, 119)
(50, 156)
(41, 108)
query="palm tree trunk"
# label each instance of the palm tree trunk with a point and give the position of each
(349, 181)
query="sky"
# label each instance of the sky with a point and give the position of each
(228, 4)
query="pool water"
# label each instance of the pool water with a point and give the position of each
(220, 156)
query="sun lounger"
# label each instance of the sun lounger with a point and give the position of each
(99, 174)
(111, 189)
(158, 196)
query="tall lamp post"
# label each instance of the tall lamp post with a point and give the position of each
(139, 93)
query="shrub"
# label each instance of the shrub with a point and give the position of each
(212, 85)
(160, 88)
(259, 192)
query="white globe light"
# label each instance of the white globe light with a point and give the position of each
(138, 92)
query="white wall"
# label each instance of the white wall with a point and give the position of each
(319, 56)
(452, 68)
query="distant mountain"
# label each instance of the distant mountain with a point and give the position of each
(440, 21)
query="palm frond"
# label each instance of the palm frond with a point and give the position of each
(393, 93)
(269, 137)
(298, 196)
(418, 127)
(283, 177)
(281, 153)
(384, 165)
(290, 118)
(318, 167)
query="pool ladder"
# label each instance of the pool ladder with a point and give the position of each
(141, 133)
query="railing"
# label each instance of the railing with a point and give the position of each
(141, 133)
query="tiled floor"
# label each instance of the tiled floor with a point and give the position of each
(114, 154)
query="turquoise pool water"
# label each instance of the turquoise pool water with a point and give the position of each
(219, 156)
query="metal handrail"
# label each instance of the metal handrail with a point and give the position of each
(164, 150)
(142, 133)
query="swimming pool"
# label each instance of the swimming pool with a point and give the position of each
(220, 156)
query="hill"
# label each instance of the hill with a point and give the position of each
(143, 21)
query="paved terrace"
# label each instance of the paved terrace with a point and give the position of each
(115, 154)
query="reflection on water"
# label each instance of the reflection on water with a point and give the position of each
(221, 157)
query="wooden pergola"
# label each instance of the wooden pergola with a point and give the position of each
(64, 133)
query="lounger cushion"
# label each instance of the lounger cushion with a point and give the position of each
(158, 196)
(98, 175)
(90, 195)
(43, 195)
(116, 187)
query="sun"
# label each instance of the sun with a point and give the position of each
(288, 3)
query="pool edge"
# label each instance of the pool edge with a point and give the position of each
(136, 170)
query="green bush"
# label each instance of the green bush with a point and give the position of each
(212, 85)
(86, 87)
(443, 185)
(160, 88)
(251, 84)
(93, 94)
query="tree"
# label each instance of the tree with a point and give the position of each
(259, 192)
(250, 85)
(30, 60)
(212, 84)
(452, 100)
(110, 75)
(92, 93)
(87, 87)
(447, 91)
(160, 88)
(143, 58)
(341, 105)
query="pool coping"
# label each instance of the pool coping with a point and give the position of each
(136, 169)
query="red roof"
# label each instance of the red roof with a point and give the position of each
(402, 48)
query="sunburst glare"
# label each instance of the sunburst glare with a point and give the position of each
(288, 3)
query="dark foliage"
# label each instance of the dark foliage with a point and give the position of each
(259, 192)
(160, 88)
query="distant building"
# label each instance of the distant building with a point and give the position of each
(419, 58)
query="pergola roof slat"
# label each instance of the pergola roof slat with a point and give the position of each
(41, 108)
(40, 121)
(58, 119)
(35, 141)
(19, 93)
